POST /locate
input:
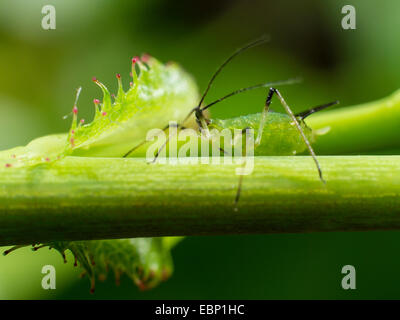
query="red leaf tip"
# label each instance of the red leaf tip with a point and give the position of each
(145, 57)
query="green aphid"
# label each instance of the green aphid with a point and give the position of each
(276, 134)
(279, 135)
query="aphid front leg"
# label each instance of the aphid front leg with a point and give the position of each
(178, 126)
(141, 144)
(164, 145)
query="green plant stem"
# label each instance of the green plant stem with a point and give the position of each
(366, 128)
(80, 198)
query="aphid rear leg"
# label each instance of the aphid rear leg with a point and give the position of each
(257, 141)
(263, 117)
(264, 114)
(296, 122)
(239, 188)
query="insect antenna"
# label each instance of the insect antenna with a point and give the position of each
(261, 85)
(305, 114)
(254, 43)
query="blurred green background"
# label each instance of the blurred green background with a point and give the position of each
(41, 68)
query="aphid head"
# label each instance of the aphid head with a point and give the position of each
(198, 113)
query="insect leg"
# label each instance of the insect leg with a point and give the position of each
(263, 117)
(140, 144)
(159, 150)
(178, 126)
(294, 119)
(258, 139)
(134, 148)
(239, 189)
(296, 122)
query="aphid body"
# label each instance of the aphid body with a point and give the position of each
(280, 136)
